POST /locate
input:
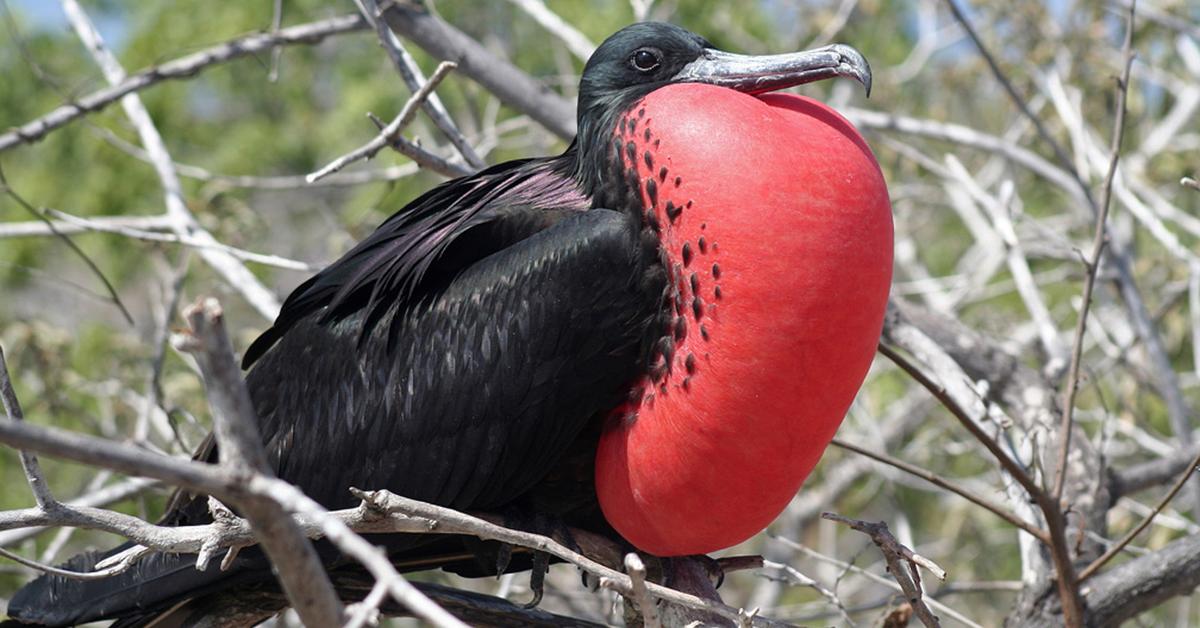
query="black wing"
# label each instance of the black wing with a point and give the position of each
(424, 244)
(490, 378)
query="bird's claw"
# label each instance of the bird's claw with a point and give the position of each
(537, 578)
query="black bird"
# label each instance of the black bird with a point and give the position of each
(469, 352)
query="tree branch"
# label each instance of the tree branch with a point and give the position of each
(1099, 240)
(514, 87)
(296, 563)
(183, 222)
(183, 67)
(390, 132)
(902, 564)
(29, 461)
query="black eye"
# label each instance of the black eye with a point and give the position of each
(645, 60)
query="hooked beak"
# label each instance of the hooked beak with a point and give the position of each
(756, 75)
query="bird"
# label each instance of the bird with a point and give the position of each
(653, 334)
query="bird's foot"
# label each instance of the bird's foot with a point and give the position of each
(542, 525)
(694, 573)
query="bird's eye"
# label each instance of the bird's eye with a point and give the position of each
(645, 60)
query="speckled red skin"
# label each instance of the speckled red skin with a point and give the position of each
(788, 227)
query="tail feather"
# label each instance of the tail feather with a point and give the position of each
(154, 582)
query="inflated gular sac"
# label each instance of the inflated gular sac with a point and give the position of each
(778, 231)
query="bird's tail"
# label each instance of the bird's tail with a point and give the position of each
(155, 582)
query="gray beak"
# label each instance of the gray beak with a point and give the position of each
(756, 75)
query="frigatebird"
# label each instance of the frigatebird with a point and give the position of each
(658, 330)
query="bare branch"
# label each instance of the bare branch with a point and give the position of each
(92, 499)
(29, 461)
(50, 227)
(413, 20)
(200, 478)
(637, 577)
(392, 130)
(87, 224)
(1061, 154)
(104, 572)
(1091, 569)
(1093, 265)
(1051, 509)
(414, 79)
(576, 42)
(296, 562)
(183, 67)
(184, 223)
(890, 583)
(100, 223)
(937, 480)
(902, 564)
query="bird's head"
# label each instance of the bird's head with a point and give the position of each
(643, 57)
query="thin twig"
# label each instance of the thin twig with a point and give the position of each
(392, 130)
(276, 50)
(1060, 153)
(53, 230)
(95, 499)
(1055, 521)
(887, 582)
(576, 42)
(28, 228)
(29, 462)
(937, 480)
(184, 223)
(411, 73)
(902, 564)
(181, 68)
(1099, 241)
(1012, 467)
(795, 577)
(424, 158)
(1095, 566)
(189, 241)
(278, 182)
(98, 574)
(417, 23)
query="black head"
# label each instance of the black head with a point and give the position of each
(645, 56)
(634, 61)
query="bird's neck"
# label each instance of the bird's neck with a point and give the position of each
(599, 161)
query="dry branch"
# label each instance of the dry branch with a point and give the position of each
(389, 133)
(29, 461)
(181, 68)
(415, 80)
(236, 427)
(182, 221)
(411, 19)
(902, 564)
(1099, 240)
